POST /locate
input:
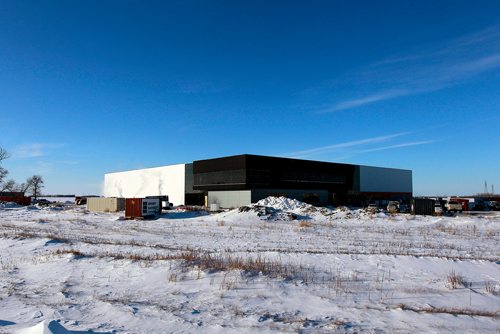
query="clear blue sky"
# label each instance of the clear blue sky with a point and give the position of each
(88, 87)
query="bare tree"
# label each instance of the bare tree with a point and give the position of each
(3, 154)
(10, 185)
(3, 172)
(23, 187)
(34, 185)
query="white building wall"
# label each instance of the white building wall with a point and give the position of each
(377, 179)
(166, 180)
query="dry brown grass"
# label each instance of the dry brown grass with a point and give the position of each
(305, 223)
(74, 252)
(490, 287)
(451, 310)
(204, 261)
(454, 280)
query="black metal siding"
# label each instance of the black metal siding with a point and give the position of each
(253, 172)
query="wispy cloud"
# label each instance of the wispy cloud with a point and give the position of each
(429, 69)
(345, 145)
(358, 102)
(485, 39)
(35, 150)
(475, 66)
(390, 147)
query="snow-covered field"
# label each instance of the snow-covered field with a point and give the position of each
(279, 266)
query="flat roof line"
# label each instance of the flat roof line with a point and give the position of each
(260, 156)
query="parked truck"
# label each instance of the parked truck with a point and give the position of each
(453, 206)
(393, 207)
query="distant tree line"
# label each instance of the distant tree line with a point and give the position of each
(32, 186)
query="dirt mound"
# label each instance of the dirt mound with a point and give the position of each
(283, 208)
(292, 205)
(284, 203)
(269, 213)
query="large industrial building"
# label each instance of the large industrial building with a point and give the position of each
(243, 179)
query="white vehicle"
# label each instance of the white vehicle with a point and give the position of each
(453, 206)
(393, 207)
(438, 209)
(372, 208)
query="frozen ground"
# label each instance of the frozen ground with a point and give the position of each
(278, 266)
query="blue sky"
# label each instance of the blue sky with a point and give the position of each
(88, 87)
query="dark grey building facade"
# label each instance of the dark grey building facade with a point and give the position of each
(244, 179)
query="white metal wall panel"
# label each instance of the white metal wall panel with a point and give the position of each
(230, 199)
(166, 180)
(377, 179)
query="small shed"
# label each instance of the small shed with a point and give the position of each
(105, 204)
(142, 207)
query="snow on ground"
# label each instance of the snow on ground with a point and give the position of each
(276, 266)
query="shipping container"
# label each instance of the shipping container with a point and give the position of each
(21, 200)
(103, 204)
(142, 207)
(422, 206)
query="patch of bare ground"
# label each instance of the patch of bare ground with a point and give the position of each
(451, 310)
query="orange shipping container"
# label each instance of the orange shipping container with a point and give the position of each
(142, 207)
